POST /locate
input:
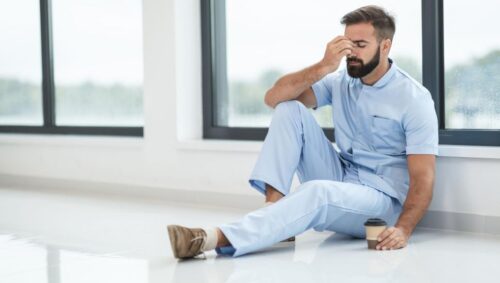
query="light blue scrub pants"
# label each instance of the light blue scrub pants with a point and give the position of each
(330, 196)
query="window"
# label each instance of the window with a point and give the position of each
(464, 115)
(98, 62)
(20, 71)
(89, 74)
(472, 93)
(246, 48)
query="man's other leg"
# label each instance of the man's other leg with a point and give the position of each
(294, 142)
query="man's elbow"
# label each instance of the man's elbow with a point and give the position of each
(268, 99)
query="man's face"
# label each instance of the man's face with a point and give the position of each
(366, 53)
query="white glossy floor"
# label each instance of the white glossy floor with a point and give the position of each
(53, 238)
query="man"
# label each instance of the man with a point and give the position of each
(385, 128)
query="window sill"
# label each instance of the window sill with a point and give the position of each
(483, 152)
(219, 145)
(71, 140)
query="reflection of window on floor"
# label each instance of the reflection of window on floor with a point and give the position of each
(22, 261)
(75, 267)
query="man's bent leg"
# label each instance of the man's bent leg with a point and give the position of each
(272, 195)
(294, 142)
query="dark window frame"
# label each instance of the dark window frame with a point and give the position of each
(215, 80)
(48, 93)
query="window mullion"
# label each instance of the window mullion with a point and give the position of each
(433, 54)
(47, 64)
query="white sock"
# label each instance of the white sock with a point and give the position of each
(268, 203)
(211, 242)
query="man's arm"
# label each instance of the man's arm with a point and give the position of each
(421, 168)
(298, 85)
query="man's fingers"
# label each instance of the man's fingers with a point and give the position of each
(392, 244)
(385, 242)
(391, 238)
(339, 43)
(385, 234)
(344, 45)
(385, 237)
(342, 49)
(338, 38)
(401, 243)
(345, 52)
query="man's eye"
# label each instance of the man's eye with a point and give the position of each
(361, 46)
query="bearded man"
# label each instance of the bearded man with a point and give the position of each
(386, 133)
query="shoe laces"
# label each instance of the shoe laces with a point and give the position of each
(204, 239)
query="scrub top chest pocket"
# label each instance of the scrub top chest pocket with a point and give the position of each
(387, 136)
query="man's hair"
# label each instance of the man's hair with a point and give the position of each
(382, 21)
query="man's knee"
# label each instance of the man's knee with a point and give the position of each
(291, 108)
(314, 189)
(324, 189)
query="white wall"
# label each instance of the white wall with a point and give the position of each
(172, 155)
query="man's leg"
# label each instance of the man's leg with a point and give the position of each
(294, 143)
(320, 205)
(272, 195)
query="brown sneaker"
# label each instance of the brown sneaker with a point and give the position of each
(186, 242)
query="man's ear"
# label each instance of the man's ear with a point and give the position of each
(386, 45)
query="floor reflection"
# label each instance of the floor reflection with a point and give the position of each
(336, 256)
(26, 261)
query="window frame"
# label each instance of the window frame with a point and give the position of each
(213, 31)
(433, 79)
(215, 77)
(48, 93)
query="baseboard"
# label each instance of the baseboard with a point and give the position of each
(127, 191)
(433, 219)
(461, 222)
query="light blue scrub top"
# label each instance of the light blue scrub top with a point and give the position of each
(377, 126)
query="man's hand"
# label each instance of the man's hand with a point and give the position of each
(392, 238)
(335, 50)
(421, 168)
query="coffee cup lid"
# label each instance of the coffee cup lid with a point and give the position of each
(375, 222)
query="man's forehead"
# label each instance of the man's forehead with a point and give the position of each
(361, 31)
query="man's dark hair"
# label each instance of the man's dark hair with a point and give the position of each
(382, 21)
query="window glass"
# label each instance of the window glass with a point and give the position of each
(288, 35)
(20, 63)
(472, 64)
(98, 62)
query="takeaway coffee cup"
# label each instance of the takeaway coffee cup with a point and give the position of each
(374, 226)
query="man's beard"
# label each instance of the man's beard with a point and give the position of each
(363, 69)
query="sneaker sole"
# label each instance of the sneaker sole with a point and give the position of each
(172, 235)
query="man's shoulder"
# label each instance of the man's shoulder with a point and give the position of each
(410, 86)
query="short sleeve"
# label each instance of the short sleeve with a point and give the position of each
(421, 126)
(323, 90)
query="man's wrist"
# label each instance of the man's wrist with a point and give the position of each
(407, 230)
(322, 69)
